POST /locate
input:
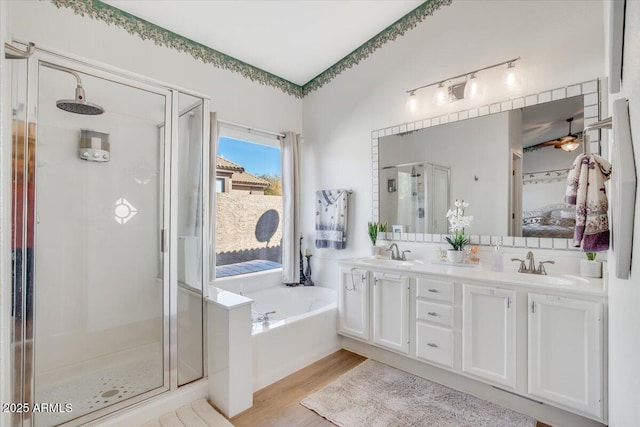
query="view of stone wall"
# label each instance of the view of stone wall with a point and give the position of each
(248, 227)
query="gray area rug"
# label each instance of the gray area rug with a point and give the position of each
(376, 395)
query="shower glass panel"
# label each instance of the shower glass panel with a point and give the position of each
(190, 222)
(99, 265)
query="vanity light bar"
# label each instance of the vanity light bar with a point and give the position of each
(441, 82)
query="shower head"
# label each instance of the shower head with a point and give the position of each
(80, 104)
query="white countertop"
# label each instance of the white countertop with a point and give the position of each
(568, 283)
(226, 299)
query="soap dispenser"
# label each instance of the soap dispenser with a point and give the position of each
(498, 260)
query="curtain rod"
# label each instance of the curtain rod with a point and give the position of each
(251, 129)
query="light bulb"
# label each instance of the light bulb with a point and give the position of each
(441, 95)
(512, 77)
(473, 88)
(570, 146)
(412, 102)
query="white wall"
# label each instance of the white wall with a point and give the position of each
(338, 118)
(468, 147)
(540, 194)
(624, 295)
(234, 97)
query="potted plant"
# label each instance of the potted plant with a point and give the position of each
(373, 228)
(457, 224)
(590, 267)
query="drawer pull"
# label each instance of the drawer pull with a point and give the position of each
(432, 345)
(432, 313)
(433, 290)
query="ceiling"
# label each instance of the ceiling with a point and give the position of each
(547, 121)
(293, 39)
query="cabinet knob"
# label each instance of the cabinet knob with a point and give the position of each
(433, 290)
(432, 313)
(432, 345)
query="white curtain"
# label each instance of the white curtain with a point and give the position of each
(290, 153)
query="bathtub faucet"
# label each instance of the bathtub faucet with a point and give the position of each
(265, 317)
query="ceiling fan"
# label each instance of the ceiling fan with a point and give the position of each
(569, 142)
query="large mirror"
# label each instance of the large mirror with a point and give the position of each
(509, 161)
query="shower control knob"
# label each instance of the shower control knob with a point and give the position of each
(85, 154)
(105, 157)
(96, 155)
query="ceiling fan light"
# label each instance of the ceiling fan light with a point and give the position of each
(570, 146)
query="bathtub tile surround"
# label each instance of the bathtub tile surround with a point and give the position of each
(301, 331)
(377, 395)
(481, 331)
(229, 344)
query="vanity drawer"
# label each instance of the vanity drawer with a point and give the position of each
(433, 312)
(434, 344)
(437, 290)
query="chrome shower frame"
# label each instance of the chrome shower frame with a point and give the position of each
(23, 385)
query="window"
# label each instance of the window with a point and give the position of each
(248, 230)
(219, 185)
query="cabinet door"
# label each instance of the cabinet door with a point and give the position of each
(565, 352)
(391, 311)
(353, 303)
(489, 334)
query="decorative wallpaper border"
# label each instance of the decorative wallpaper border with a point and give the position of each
(392, 32)
(95, 9)
(98, 10)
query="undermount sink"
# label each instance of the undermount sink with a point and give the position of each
(398, 263)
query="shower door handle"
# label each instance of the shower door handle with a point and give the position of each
(163, 241)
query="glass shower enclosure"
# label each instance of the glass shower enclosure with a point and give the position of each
(109, 221)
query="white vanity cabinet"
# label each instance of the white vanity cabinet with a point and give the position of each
(489, 333)
(391, 311)
(565, 352)
(435, 319)
(540, 341)
(353, 303)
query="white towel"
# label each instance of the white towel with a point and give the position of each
(586, 190)
(331, 219)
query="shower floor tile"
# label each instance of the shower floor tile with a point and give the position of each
(91, 391)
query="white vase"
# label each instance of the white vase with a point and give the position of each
(590, 268)
(375, 251)
(455, 257)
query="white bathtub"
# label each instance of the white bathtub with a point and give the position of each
(302, 331)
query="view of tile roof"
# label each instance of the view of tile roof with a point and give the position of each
(239, 175)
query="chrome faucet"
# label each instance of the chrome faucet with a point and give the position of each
(265, 317)
(532, 262)
(531, 269)
(396, 254)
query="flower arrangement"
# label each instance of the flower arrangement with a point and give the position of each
(457, 223)
(373, 228)
(591, 256)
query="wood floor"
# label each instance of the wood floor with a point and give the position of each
(278, 404)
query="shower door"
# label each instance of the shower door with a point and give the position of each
(99, 259)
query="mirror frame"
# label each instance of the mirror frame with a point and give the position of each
(592, 106)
